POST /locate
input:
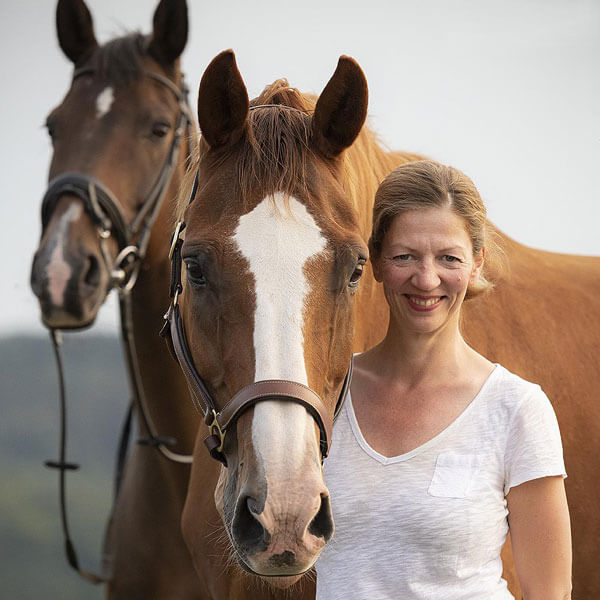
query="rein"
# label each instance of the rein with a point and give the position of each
(132, 240)
(220, 420)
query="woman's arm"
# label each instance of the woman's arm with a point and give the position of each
(541, 538)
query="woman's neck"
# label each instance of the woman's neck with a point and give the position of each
(416, 358)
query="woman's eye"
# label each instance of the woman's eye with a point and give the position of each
(160, 129)
(356, 274)
(194, 273)
(451, 259)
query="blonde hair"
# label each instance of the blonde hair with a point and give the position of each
(426, 184)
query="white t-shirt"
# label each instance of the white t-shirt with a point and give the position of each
(430, 524)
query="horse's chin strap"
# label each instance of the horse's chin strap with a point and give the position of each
(220, 420)
(107, 214)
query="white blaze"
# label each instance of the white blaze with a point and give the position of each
(277, 241)
(58, 270)
(104, 102)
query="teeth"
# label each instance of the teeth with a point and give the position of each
(423, 302)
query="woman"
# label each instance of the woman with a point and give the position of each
(438, 451)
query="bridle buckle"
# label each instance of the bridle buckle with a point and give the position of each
(215, 429)
(178, 229)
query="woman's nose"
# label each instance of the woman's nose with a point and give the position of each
(426, 277)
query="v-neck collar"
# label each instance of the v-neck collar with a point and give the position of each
(386, 460)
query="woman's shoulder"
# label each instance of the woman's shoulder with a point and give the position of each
(512, 393)
(512, 383)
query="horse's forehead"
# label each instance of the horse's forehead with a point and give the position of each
(279, 225)
(277, 238)
(100, 92)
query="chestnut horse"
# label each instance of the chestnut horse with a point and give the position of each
(276, 224)
(271, 308)
(116, 128)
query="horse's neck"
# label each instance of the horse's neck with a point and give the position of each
(165, 390)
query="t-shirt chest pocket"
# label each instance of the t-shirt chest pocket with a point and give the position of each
(453, 475)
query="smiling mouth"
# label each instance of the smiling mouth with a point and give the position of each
(424, 304)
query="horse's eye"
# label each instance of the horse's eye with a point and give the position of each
(160, 129)
(194, 273)
(356, 274)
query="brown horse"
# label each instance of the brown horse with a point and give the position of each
(274, 247)
(115, 128)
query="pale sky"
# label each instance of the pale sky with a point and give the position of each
(507, 91)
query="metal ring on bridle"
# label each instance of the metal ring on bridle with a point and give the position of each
(124, 271)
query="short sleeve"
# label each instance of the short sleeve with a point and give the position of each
(533, 447)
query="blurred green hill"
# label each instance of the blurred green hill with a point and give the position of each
(32, 562)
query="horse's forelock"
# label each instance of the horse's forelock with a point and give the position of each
(276, 149)
(280, 92)
(121, 60)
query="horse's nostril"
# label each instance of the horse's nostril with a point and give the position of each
(249, 533)
(91, 275)
(322, 524)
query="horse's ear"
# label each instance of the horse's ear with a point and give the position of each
(341, 109)
(170, 31)
(222, 101)
(75, 29)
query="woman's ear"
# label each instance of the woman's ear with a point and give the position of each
(375, 260)
(376, 266)
(477, 266)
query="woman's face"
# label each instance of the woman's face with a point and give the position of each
(425, 265)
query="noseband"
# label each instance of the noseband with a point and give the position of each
(220, 420)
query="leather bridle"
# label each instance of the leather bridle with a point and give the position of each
(132, 241)
(220, 420)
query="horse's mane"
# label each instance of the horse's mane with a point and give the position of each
(278, 154)
(121, 60)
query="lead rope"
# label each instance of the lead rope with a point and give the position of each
(63, 466)
(161, 443)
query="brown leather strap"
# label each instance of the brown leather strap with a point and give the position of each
(200, 395)
(279, 389)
